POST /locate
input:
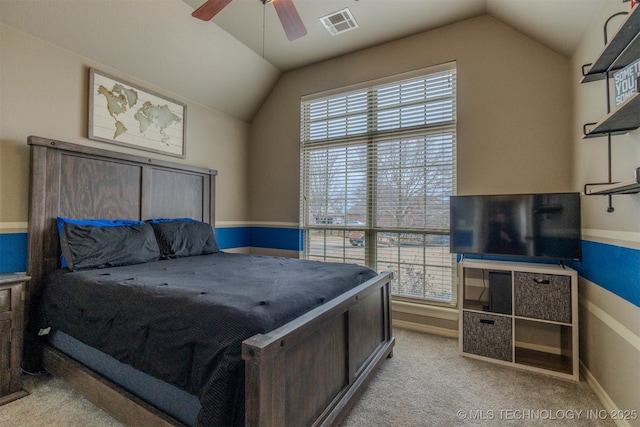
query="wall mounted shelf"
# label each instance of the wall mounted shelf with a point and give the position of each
(631, 186)
(620, 51)
(623, 48)
(625, 118)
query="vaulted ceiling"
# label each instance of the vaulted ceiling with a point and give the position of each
(231, 62)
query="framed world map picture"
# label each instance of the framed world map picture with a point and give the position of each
(125, 114)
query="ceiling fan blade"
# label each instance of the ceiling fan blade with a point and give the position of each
(210, 9)
(291, 22)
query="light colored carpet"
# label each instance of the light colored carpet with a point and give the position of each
(52, 403)
(426, 383)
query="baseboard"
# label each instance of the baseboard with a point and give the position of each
(426, 310)
(602, 395)
(416, 327)
(284, 253)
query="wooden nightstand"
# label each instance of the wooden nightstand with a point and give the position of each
(11, 326)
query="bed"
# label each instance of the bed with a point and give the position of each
(309, 370)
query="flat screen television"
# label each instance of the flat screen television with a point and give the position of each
(544, 225)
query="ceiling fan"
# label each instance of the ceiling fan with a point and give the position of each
(291, 22)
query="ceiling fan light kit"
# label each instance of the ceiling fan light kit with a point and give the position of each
(286, 10)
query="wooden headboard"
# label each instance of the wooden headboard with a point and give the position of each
(77, 181)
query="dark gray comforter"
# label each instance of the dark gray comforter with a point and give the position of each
(184, 320)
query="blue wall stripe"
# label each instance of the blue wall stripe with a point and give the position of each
(614, 268)
(276, 238)
(233, 237)
(13, 252)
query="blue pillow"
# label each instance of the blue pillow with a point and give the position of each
(60, 221)
(161, 220)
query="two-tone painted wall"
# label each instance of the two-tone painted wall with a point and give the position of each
(513, 106)
(520, 114)
(520, 110)
(610, 269)
(44, 92)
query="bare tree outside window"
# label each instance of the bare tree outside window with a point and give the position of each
(378, 168)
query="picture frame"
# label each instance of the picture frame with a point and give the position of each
(126, 114)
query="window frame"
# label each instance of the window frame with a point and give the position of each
(370, 139)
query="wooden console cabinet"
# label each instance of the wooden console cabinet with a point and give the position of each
(11, 326)
(520, 314)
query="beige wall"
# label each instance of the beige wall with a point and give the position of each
(513, 108)
(520, 114)
(44, 92)
(610, 325)
(520, 110)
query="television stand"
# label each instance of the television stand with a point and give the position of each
(523, 315)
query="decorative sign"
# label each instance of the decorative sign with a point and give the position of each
(625, 82)
(125, 114)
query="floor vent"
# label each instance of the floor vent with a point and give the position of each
(339, 22)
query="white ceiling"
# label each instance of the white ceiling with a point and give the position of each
(231, 63)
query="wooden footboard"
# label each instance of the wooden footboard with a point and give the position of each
(311, 370)
(308, 372)
(122, 405)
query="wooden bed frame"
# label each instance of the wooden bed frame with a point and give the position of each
(308, 372)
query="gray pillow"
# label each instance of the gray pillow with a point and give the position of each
(90, 246)
(183, 238)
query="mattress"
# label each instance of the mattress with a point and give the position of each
(176, 402)
(183, 320)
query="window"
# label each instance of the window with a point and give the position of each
(377, 171)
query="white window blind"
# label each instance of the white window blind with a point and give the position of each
(377, 170)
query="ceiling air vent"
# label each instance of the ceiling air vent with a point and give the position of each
(339, 22)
